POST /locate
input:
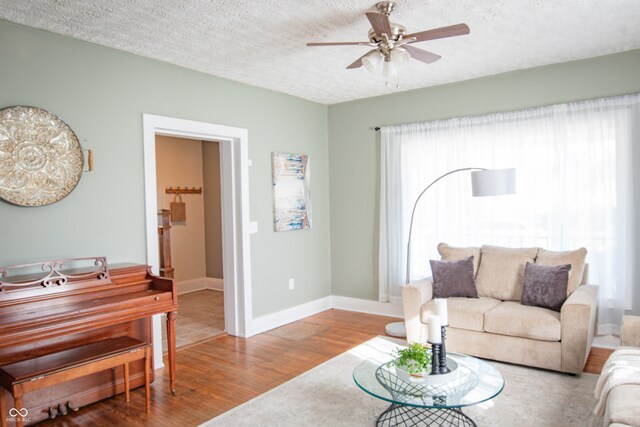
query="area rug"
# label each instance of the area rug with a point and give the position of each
(328, 396)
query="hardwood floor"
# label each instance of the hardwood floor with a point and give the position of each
(201, 317)
(219, 374)
(596, 359)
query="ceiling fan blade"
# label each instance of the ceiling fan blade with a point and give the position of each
(421, 55)
(380, 23)
(358, 62)
(340, 44)
(404, 41)
(439, 33)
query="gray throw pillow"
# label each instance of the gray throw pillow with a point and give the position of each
(545, 286)
(453, 278)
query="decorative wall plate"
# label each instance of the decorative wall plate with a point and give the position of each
(40, 157)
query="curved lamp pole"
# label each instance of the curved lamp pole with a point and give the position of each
(413, 212)
(484, 182)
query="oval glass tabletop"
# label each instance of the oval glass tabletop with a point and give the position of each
(474, 381)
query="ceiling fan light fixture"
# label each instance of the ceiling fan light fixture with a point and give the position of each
(400, 57)
(386, 37)
(390, 69)
(373, 62)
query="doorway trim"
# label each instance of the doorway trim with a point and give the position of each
(234, 179)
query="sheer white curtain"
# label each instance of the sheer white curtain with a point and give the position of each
(574, 188)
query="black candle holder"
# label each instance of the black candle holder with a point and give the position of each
(439, 355)
(443, 352)
(435, 359)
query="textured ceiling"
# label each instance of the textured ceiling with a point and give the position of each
(262, 42)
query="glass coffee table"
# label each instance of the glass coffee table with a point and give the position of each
(434, 399)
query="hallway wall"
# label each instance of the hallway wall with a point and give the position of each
(179, 164)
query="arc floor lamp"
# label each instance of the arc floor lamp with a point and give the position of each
(484, 182)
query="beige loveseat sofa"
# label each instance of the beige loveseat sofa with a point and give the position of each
(623, 401)
(496, 326)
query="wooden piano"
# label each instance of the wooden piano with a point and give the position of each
(58, 305)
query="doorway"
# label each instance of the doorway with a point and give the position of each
(188, 191)
(234, 183)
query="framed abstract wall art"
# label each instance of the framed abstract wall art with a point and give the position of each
(291, 194)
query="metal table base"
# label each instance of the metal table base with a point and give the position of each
(409, 416)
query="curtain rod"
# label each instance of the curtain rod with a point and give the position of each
(531, 109)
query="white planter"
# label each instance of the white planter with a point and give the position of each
(426, 377)
(402, 372)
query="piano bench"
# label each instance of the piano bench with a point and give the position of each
(40, 372)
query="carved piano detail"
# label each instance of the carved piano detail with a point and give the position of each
(59, 305)
(55, 274)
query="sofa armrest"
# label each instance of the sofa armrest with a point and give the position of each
(630, 332)
(414, 295)
(578, 323)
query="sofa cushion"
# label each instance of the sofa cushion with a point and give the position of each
(545, 285)
(453, 278)
(622, 405)
(452, 253)
(575, 258)
(501, 271)
(516, 320)
(463, 313)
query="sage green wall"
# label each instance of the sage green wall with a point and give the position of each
(354, 146)
(102, 93)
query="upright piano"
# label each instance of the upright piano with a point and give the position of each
(58, 305)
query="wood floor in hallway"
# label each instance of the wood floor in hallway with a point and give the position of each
(201, 317)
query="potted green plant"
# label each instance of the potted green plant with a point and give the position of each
(414, 361)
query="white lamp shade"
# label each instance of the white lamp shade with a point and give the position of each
(400, 57)
(389, 69)
(493, 182)
(373, 62)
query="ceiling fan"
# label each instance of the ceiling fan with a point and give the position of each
(393, 46)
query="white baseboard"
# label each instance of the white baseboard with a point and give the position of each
(606, 341)
(608, 329)
(193, 285)
(214, 283)
(396, 300)
(280, 318)
(366, 306)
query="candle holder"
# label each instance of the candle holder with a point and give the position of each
(443, 352)
(435, 359)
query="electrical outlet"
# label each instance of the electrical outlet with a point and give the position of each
(291, 284)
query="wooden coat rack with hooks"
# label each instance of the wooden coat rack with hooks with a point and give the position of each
(183, 190)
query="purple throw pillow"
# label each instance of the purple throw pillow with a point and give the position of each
(545, 286)
(453, 278)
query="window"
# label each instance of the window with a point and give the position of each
(574, 188)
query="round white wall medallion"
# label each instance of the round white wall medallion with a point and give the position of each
(41, 159)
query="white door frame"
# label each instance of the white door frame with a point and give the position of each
(234, 177)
